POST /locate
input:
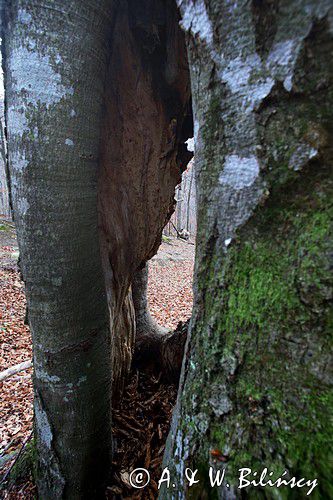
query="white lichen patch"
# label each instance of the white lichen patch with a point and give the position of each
(42, 375)
(22, 206)
(281, 54)
(301, 156)
(24, 17)
(19, 162)
(281, 61)
(239, 172)
(227, 242)
(69, 142)
(237, 75)
(258, 92)
(36, 77)
(42, 425)
(195, 19)
(17, 120)
(181, 452)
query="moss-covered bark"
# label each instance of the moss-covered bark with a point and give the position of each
(256, 388)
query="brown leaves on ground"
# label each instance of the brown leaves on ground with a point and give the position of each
(140, 429)
(16, 392)
(170, 279)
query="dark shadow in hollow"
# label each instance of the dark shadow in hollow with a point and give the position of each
(147, 123)
(148, 119)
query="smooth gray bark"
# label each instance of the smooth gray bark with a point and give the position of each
(146, 326)
(4, 192)
(189, 196)
(55, 65)
(256, 387)
(98, 110)
(155, 346)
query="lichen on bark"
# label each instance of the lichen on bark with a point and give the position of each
(256, 383)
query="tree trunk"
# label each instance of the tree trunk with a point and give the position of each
(55, 66)
(188, 212)
(98, 112)
(155, 347)
(4, 192)
(179, 208)
(256, 389)
(146, 326)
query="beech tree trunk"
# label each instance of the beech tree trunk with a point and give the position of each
(189, 196)
(54, 76)
(156, 347)
(146, 326)
(256, 386)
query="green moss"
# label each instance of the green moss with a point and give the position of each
(166, 239)
(268, 307)
(260, 292)
(4, 226)
(262, 324)
(25, 465)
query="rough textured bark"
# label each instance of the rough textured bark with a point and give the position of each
(55, 63)
(257, 380)
(148, 117)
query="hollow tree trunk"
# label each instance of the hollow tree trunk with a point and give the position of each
(147, 120)
(55, 63)
(98, 111)
(256, 388)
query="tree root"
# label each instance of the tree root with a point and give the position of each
(161, 351)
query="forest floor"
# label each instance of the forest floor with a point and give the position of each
(142, 422)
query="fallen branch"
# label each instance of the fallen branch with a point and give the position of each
(15, 369)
